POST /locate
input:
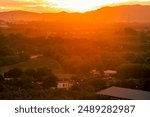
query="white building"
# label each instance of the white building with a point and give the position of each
(109, 73)
(95, 73)
(35, 56)
(64, 85)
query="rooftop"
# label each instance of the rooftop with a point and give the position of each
(125, 93)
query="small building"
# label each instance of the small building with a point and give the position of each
(95, 73)
(110, 73)
(64, 85)
(35, 56)
(9, 79)
(125, 93)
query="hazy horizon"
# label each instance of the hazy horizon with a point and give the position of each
(51, 6)
(63, 11)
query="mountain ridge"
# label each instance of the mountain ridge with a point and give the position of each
(123, 13)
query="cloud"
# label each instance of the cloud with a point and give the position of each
(42, 9)
(27, 5)
(12, 3)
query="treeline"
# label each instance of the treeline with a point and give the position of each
(122, 49)
(139, 71)
(12, 49)
(29, 79)
(100, 52)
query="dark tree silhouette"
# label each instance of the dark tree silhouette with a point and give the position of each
(138, 71)
(30, 72)
(42, 73)
(1, 78)
(13, 73)
(146, 85)
(26, 82)
(50, 81)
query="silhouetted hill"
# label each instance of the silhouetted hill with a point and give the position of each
(19, 16)
(124, 13)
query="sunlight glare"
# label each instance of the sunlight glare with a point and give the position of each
(81, 5)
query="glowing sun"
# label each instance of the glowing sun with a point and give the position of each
(81, 5)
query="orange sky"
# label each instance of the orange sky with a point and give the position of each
(62, 5)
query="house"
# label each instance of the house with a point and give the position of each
(95, 73)
(64, 85)
(35, 56)
(8, 79)
(125, 93)
(110, 73)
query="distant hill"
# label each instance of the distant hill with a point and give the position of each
(19, 16)
(124, 13)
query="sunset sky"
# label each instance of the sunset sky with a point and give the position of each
(63, 5)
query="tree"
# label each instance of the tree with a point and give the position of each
(26, 82)
(133, 71)
(98, 84)
(130, 31)
(1, 87)
(50, 81)
(30, 72)
(24, 56)
(42, 72)
(13, 73)
(128, 83)
(1, 83)
(1, 78)
(6, 51)
(146, 85)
